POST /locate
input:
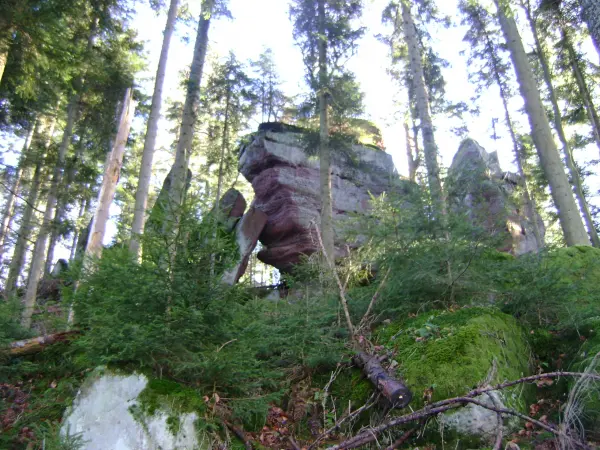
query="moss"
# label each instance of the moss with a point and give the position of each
(453, 351)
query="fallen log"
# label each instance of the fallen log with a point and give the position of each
(37, 344)
(391, 388)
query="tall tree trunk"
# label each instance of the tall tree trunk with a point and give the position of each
(584, 91)
(591, 15)
(186, 131)
(412, 163)
(39, 251)
(112, 170)
(4, 48)
(327, 232)
(424, 112)
(558, 126)
(13, 191)
(141, 195)
(43, 131)
(570, 220)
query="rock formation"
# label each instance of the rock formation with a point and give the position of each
(284, 172)
(478, 188)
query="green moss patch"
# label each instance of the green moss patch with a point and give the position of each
(450, 353)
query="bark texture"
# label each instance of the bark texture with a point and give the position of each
(112, 170)
(324, 148)
(141, 195)
(552, 166)
(38, 258)
(423, 111)
(412, 160)
(392, 389)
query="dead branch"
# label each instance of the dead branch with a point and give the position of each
(343, 299)
(37, 344)
(392, 389)
(436, 408)
(402, 439)
(363, 321)
(355, 413)
(241, 435)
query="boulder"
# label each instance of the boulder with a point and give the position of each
(478, 188)
(231, 208)
(283, 168)
(105, 415)
(446, 354)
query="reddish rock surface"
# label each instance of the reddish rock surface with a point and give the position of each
(285, 179)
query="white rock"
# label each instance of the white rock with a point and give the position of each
(102, 415)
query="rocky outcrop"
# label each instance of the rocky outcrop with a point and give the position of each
(103, 416)
(488, 196)
(284, 171)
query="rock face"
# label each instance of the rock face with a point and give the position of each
(479, 188)
(102, 417)
(285, 178)
(247, 232)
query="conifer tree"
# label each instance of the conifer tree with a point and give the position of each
(485, 48)
(270, 96)
(325, 33)
(141, 195)
(570, 220)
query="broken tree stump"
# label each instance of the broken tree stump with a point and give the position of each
(392, 389)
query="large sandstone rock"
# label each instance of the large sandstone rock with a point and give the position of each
(103, 417)
(285, 176)
(488, 196)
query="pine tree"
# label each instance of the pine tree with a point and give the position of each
(485, 48)
(268, 86)
(570, 220)
(141, 196)
(324, 31)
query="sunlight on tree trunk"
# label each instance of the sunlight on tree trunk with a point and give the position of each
(423, 110)
(112, 171)
(552, 166)
(591, 15)
(327, 232)
(141, 195)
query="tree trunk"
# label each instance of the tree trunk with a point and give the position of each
(530, 205)
(83, 206)
(4, 48)
(412, 163)
(13, 191)
(591, 15)
(558, 126)
(392, 389)
(18, 257)
(423, 112)
(570, 220)
(584, 91)
(327, 233)
(112, 170)
(38, 258)
(141, 195)
(186, 131)
(37, 344)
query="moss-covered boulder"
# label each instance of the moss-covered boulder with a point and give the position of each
(128, 411)
(448, 353)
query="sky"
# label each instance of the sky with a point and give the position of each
(261, 24)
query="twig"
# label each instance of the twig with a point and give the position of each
(364, 319)
(226, 343)
(368, 435)
(356, 412)
(240, 434)
(339, 283)
(293, 443)
(401, 440)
